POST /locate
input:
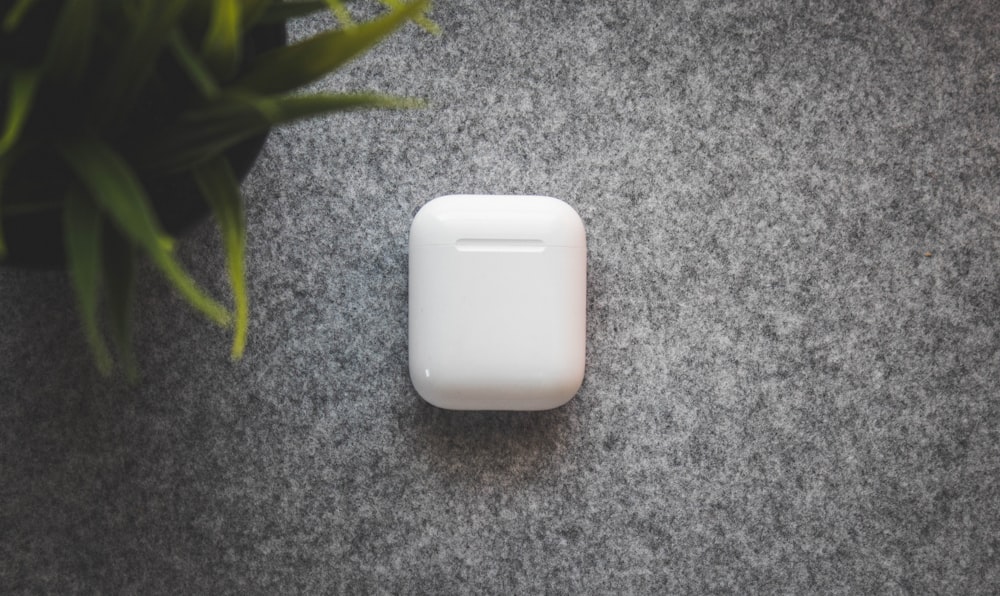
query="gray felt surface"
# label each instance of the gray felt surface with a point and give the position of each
(793, 358)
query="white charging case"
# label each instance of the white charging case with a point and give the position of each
(498, 302)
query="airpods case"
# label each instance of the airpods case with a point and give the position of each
(498, 302)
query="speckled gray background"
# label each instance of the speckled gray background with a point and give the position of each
(784, 394)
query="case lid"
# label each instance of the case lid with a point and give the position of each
(465, 219)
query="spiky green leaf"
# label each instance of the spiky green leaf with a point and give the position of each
(193, 66)
(23, 84)
(291, 67)
(221, 191)
(119, 281)
(13, 17)
(341, 13)
(116, 190)
(223, 40)
(205, 133)
(82, 230)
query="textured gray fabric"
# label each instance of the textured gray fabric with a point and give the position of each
(793, 358)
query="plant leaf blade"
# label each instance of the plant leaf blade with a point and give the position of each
(205, 133)
(291, 67)
(82, 229)
(222, 46)
(221, 191)
(23, 84)
(341, 13)
(119, 281)
(16, 14)
(193, 66)
(115, 189)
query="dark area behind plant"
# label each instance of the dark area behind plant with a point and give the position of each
(100, 100)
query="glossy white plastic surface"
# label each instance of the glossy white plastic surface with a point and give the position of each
(498, 302)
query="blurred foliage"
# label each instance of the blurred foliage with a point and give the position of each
(102, 96)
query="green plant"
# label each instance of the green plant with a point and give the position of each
(101, 98)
